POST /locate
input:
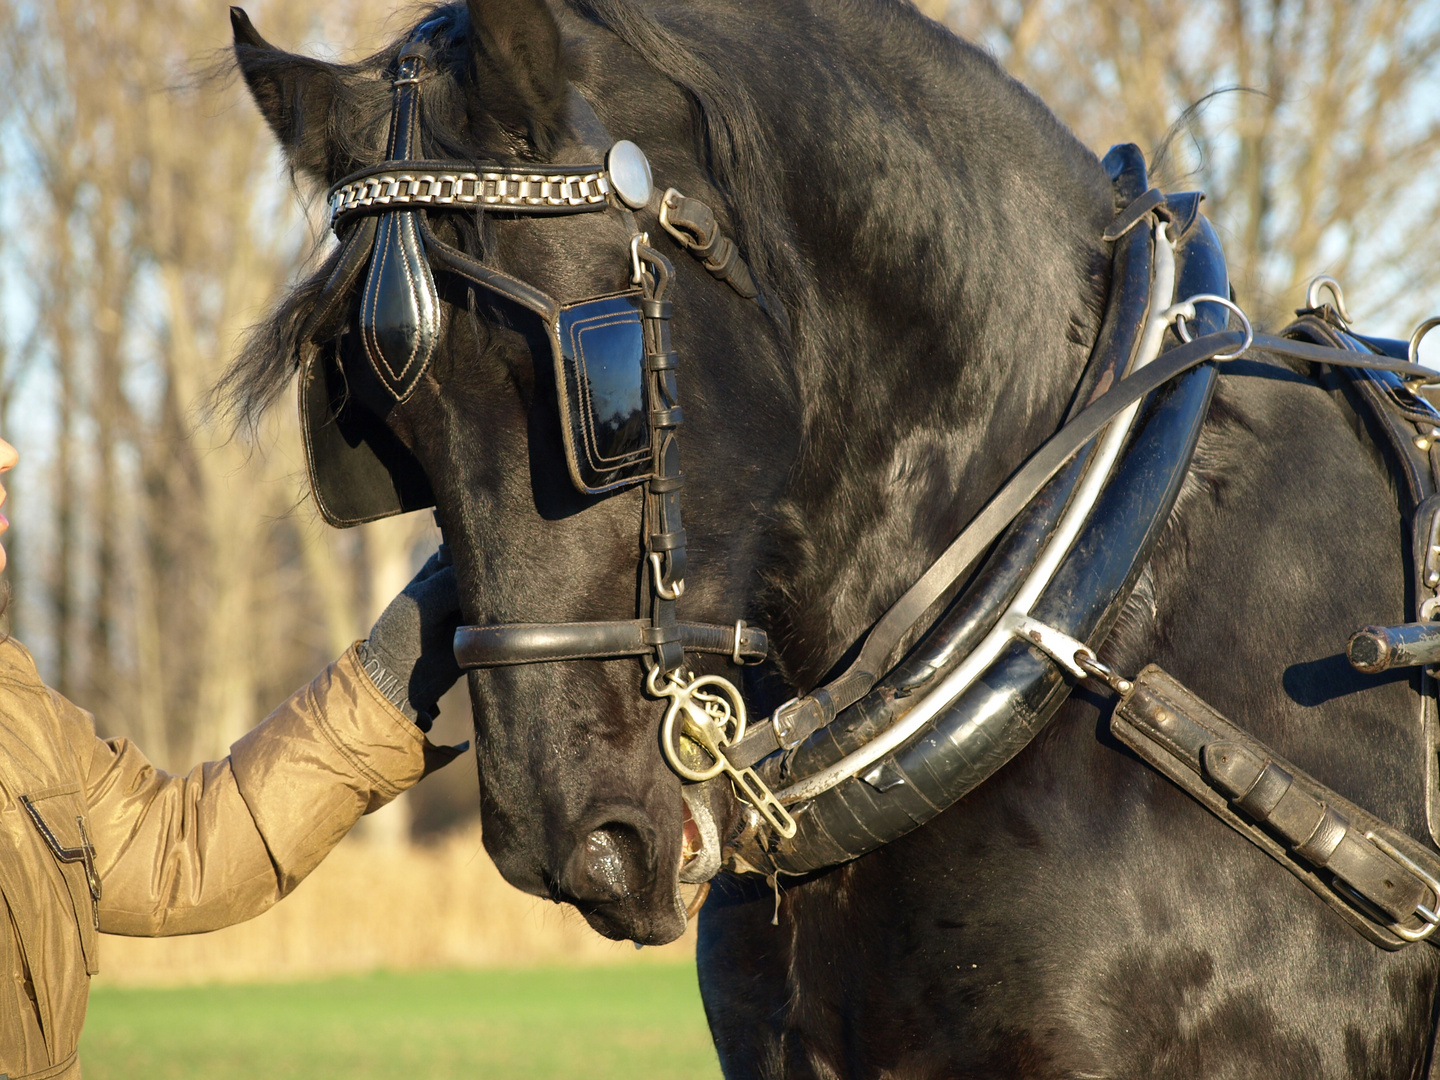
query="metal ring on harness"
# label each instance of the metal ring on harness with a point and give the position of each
(1320, 283)
(1186, 310)
(1419, 335)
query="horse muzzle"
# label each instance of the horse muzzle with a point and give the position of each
(613, 877)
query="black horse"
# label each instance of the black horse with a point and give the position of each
(927, 239)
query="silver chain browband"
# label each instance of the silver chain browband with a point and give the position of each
(585, 188)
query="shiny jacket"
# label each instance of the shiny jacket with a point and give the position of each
(94, 838)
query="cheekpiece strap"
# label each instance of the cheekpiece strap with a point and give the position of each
(665, 538)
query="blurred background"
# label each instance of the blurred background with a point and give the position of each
(173, 578)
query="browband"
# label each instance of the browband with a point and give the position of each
(560, 189)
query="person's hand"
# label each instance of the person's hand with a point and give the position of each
(410, 654)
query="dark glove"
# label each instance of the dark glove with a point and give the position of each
(410, 654)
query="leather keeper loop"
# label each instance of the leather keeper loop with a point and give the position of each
(1267, 791)
(667, 541)
(667, 418)
(655, 309)
(664, 485)
(718, 260)
(662, 361)
(661, 635)
(1322, 843)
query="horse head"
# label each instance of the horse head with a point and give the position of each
(865, 380)
(463, 405)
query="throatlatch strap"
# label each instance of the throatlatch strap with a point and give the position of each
(665, 541)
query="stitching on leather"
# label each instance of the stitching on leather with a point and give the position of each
(405, 252)
(377, 272)
(408, 232)
(485, 277)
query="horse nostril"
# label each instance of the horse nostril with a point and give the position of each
(609, 865)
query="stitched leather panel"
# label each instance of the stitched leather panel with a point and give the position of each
(400, 308)
(1311, 829)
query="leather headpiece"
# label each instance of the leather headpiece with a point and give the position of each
(400, 309)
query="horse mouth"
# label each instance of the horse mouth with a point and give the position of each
(691, 845)
(700, 842)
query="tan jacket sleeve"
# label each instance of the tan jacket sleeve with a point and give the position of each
(181, 855)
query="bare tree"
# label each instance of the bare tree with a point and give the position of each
(189, 585)
(1312, 125)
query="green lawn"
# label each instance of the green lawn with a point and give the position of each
(639, 1021)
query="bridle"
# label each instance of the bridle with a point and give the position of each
(886, 745)
(616, 379)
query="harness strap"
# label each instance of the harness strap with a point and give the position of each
(533, 643)
(807, 715)
(694, 227)
(330, 310)
(1377, 879)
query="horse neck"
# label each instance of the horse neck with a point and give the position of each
(952, 227)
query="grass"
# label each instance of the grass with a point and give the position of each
(639, 1021)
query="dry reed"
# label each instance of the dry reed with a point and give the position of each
(382, 906)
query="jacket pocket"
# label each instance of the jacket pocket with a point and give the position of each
(58, 816)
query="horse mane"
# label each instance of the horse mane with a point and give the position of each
(732, 144)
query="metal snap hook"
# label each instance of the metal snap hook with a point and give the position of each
(1185, 310)
(637, 273)
(1419, 335)
(1322, 283)
(665, 592)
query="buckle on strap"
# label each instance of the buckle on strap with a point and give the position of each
(1429, 919)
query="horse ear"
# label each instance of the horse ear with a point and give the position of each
(517, 43)
(294, 93)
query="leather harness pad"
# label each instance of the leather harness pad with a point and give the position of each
(1324, 839)
(400, 307)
